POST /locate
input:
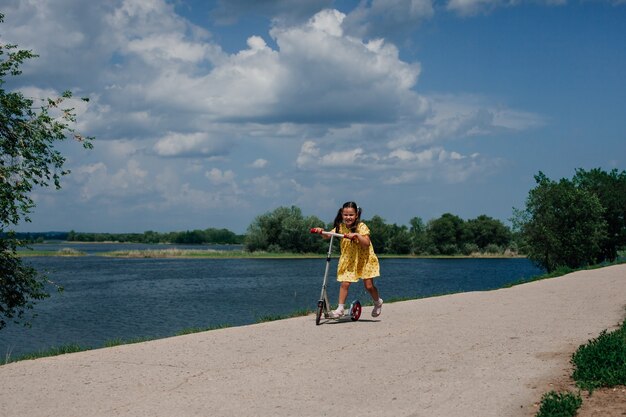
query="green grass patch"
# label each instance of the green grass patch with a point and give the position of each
(53, 351)
(555, 404)
(192, 330)
(119, 341)
(60, 252)
(601, 362)
(275, 317)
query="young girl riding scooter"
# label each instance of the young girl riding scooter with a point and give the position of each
(357, 260)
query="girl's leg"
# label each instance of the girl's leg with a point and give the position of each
(378, 302)
(343, 294)
(371, 288)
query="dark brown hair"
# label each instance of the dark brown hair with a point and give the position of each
(339, 217)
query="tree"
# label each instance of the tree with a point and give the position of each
(284, 229)
(379, 234)
(562, 225)
(447, 233)
(28, 134)
(400, 241)
(419, 241)
(485, 231)
(610, 188)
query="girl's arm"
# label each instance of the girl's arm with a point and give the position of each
(364, 240)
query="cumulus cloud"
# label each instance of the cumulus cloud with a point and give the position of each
(97, 182)
(388, 18)
(319, 94)
(474, 7)
(286, 11)
(460, 116)
(188, 144)
(259, 163)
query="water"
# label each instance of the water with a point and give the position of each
(109, 298)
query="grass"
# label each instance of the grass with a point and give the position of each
(53, 351)
(274, 317)
(60, 252)
(554, 404)
(192, 330)
(601, 362)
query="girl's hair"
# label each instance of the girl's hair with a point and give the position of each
(339, 217)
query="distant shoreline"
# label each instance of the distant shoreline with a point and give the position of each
(232, 254)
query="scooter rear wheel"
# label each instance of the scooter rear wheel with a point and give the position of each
(320, 310)
(355, 311)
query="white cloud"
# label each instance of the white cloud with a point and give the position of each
(474, 7)
(259, 163)
(218, 177)
(460, 116)
(96, 181)
(436, 163)
(387, 18)
(188, 144)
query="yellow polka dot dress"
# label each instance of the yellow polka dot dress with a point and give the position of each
(356, 261)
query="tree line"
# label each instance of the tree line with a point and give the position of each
(286, 230)
(187, 237)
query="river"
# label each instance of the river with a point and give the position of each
(106, 299)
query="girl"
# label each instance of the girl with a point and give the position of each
(357, 260)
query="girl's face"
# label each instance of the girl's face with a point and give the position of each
(349, 216)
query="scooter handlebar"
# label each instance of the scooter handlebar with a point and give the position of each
(339, 235)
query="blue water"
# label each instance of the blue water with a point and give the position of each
(108, 298)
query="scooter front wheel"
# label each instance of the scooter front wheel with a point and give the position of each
(355, 311)
(320, 310)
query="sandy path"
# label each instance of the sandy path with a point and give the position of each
(473, 354)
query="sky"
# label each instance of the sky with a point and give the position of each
(208, 114)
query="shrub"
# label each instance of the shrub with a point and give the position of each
(493, 249)
(554, 404)
(601, 362)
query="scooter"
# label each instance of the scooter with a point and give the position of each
(323, 305)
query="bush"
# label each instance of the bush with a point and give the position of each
(470, 248)
(493, 249)
(601, 362)
(554, 404)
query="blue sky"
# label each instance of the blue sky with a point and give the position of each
(210, 113)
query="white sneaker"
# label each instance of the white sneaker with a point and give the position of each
(378, 306)
(335, 314)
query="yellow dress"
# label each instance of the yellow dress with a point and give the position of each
(356, 261)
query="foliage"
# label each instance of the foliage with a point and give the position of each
(610, 189)
(601, 362)
(207, 236)
(447, 234)
(484, 231)
(286, 230)
(555, 404)
(562, 224)
(28, 159)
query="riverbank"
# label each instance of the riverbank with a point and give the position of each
(237, 254)
(492, 353)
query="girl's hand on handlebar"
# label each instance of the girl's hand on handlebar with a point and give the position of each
(317, 230)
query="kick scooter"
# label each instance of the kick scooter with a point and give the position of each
(323, 305)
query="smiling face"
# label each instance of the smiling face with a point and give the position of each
(349, 216)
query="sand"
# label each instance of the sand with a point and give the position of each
(492, 353)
